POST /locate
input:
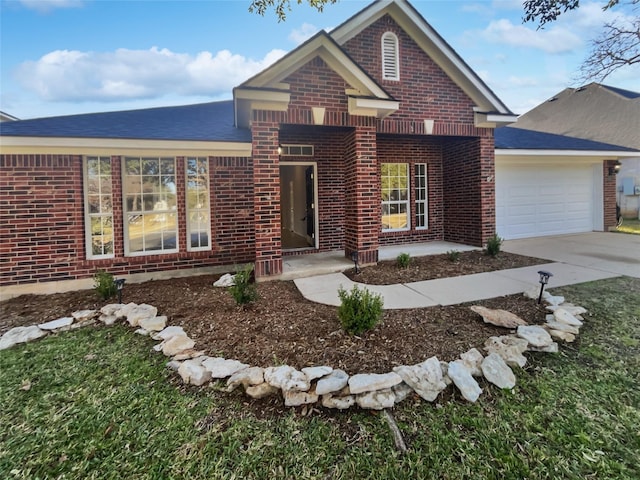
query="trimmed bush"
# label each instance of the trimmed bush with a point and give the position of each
(360, 310)
(104, 284)
(403, 260)
(244, 291)
(493, 245)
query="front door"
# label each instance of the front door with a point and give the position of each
(298, 202)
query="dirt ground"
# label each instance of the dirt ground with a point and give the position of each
(284, 328)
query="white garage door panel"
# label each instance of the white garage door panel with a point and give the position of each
(536, 200)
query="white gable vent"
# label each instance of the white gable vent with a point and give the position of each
(390, 62)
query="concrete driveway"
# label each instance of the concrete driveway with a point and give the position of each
(615, 253)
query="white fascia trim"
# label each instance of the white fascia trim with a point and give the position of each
(279, 100)
(371, 107)
(493, 120)
(109, 146)
(606, 155)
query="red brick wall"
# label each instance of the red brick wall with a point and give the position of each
(412, 150)
(469, 190)
(424, 90)
(42, 221)
(609, 195)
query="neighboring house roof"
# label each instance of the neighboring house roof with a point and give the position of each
(203, 122)
(594, 112)
(512, 138)
(434, 45)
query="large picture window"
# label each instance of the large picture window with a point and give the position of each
(422, 206)
(395, 196)
(98, 207)
(150, 213)
(198, 210)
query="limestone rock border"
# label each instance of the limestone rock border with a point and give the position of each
(333, 389)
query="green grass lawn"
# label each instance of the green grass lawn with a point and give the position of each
(97, 403)
(629, 226)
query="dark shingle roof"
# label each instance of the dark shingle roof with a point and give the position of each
(625, 93)
(521, 139)
(205, 121)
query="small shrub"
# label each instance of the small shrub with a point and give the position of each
(244, 291)
(359, 310)
(493, 245)
(104, 284)
(403, 260)
(453, 255)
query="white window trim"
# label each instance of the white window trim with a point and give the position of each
(390, 56)
(188, 212)
(425, 202)
(88, 216)
(125, 214)
(407, 201)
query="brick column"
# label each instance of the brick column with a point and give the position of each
(487, 182)
(266, 199)
(362, 195)
(609, 195)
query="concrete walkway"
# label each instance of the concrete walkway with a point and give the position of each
(579, 258)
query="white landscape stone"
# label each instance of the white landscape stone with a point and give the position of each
(168, 332)
(141, 331)
(369, 382)
(376, 400)
(462, 379)
(112, 308)
(333, 382)
(177, 344)
(189, 353)
(84, 315)
(496, 371)
(316, 372)
(261, 391)
(286, 378)
(501, 318)
(20, 335)
(108, 319)
(246, 377)
(535, 335)
(564, 336)
(425, 379)
(551, 348)
(55, 324)
(472, 360)
(563, 327)
(402, 391)
(153, 324)
(564, 316)
(294, 398)
(510, 348)
(226, 280)
(223, 368)
(193, 372)
(553, 300)
(339, 403)
(139, 312)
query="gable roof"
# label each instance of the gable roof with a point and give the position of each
(487, 102)
(519, 139)
(266, 89)
(593, 112)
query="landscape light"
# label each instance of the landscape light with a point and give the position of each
(544, 279)
(120, 285)
(354, 257)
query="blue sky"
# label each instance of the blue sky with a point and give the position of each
(61, 57)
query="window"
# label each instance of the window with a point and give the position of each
(198, 211)
(422, 206)
(390, 61)
(150, 215)
(296, 150)
(98, 203)
(395, 196)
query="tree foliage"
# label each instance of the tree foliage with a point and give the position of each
(617, 46)
(281, 7)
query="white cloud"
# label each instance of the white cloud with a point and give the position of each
(46, 6)
(304, 33)
(71, 75)
(552, 40)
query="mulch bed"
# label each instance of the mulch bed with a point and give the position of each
(284, 328)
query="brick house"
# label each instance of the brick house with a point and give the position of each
(375, 134)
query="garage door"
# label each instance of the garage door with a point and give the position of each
(537, 200)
